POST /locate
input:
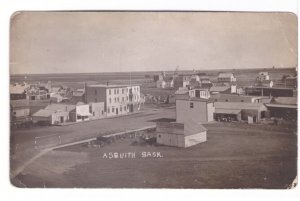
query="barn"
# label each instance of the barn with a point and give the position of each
(180, 134)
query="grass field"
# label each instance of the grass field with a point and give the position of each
(261, 157)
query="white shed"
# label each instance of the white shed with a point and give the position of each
(180, 134)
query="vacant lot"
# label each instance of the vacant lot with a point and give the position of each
(235, 156)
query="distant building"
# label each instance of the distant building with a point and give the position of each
(269, 91)
(194, 110)
(291, 82)
(180, 134)
(18, 91)
(134, 98)
(236, 111)
(78, 96)
(36, 92)
(19, 109)
(226, 77)
(199, 93)
(264, 83)
(262, 76)
(165, 83)
(224, 89)
(181, 81)
(239, 98)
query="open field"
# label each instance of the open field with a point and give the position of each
(261, 157)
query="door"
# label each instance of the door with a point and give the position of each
(117, 111)
(61, 119)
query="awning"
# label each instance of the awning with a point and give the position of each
(83, 113)
(227, 111)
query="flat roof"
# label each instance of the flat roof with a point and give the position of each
(281, 106)
(112, 85)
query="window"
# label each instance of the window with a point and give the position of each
(90, 109)
(109, 92)
(102, 112)
(113, 110)
(114, 91)
(124, 108)
(120, 108)
(109, 100)
(191, 105)
(122, 91)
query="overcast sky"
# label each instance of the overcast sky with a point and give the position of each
(74, 42)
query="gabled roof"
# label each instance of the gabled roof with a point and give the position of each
(225, 75)
(60, 107)
(191, 128)
(219, 88)
(43, 113)
(18, 104)
(227, 111)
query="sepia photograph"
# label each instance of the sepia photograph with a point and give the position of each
(153, 99)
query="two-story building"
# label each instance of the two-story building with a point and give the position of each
(117, 99)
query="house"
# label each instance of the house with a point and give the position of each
(238, 111)
(18, 91)
(264, 83)
(199, 93)
(181, 81)
(226, 77)
(53, 114)
(19, 109)
(97, 110)
(262, 76)
(36, 92)
(194, 110)
(269, 91)
(57, 98)
(180, 134)
(165, 83)
(81, 112)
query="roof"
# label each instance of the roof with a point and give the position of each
(191, 128)
(60, 107)
(196, 99)
(168, 79)
(107, 86)
(281, 106)
(225, 75)
(188, 128)
(19, 89)
(83, 113)
(227, 111)
(78, 93)
(182, 91)
(219, 88)
(286, 100)
(43, 113)
(238, 105)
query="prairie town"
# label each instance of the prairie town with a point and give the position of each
(176, 125)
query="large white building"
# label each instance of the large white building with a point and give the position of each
(118, 99)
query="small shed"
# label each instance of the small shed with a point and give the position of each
(180, 134)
